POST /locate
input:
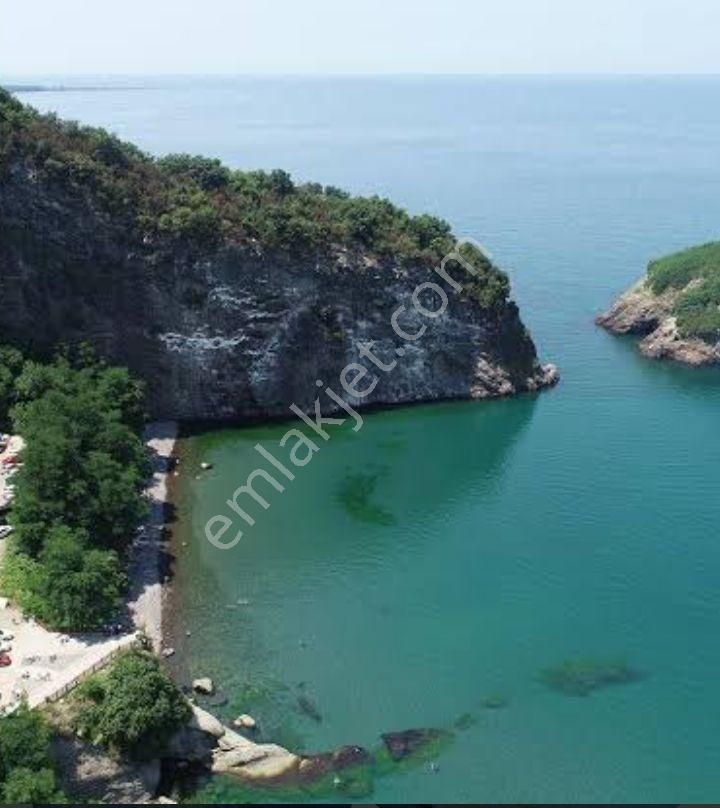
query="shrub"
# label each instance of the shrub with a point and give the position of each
(677, 270)
(32, 787)
(206, 172)
(134, 707)
(696, 273)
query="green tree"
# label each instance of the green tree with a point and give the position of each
(208, 173)
(11, 361)
(26, 786)
(84, 462)
(24, 741)
(134, 708)
(79, 587)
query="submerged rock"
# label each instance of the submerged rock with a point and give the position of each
(494, 702)
(401, 745)
(465, 721)
(314, 767)
(309, 708)
(581, 677)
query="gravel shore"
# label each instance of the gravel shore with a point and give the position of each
(146, 574)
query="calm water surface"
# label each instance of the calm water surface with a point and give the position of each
(448, 553)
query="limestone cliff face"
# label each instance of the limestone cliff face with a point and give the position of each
(237, 331)
(643, 313)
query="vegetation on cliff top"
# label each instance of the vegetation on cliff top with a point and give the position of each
(133, 707)
(79, 494)
(199, 202)
(696, 272)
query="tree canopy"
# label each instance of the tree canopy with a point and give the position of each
(79, 493)
(26, 769)
(197, 202)
(133, 708)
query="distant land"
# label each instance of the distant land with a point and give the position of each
(61, 88)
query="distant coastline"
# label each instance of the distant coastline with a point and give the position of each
(62, 88)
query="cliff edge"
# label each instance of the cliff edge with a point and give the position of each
(230, 293)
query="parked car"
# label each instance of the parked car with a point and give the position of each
(5, 530)
(5, 660)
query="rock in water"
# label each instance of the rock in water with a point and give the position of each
(245, 721)
(401, 745)
(314, 767)
(204, 685)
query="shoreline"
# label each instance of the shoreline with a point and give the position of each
(146, 569)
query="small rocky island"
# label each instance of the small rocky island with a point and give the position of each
(675, 308)
(230, 293)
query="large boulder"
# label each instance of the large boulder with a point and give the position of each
(204, 685)
(196, 740)
(254, 763)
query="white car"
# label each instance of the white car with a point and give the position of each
(5, 530)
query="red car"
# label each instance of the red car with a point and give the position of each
(13, 460)
(5, 660)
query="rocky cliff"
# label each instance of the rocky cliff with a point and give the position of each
(177, 276)
(675, 308)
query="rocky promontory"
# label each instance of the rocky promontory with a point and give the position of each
(230, 293)
(675, 308)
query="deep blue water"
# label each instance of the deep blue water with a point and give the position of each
(580, 523)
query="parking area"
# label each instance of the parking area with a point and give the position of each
(43, 662)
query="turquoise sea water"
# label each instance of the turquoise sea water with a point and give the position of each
(449, 553)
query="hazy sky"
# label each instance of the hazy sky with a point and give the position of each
(359, 36)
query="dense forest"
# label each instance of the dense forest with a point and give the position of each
(79, 493)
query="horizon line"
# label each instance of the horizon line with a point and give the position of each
(359, 74)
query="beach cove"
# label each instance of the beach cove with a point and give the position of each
(448, 554)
